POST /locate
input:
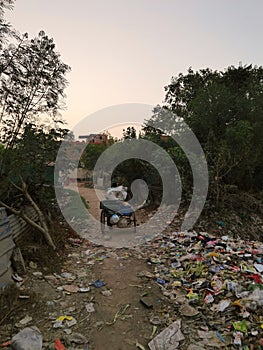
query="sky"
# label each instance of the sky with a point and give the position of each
(126, 51)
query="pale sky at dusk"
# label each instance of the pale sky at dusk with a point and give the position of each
(124, 51)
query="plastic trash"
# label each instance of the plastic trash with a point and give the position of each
(29, 338)
(240, 326)
(198, 268)
(169, 338)
(160, 281)
(258, 267)
(116, 193)
(192, 296)
(84, 289)
(106, 293)
(257, 296)
(98, 284)
(90, 307)
(17, 278)
(71, 322)
(7, 343)
(78, 338)
(38, 274)
(68, 275)
(209, 298)
(223, 304)
(238, 338)
(59, 345)
(59, 321)
(25, 320)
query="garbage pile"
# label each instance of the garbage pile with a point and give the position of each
(215, 286)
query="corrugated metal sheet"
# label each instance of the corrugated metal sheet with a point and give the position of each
(19, 227)
(6, 248)
(12, 230)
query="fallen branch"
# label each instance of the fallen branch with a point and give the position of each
(31, 222)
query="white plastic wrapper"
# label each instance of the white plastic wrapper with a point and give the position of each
(117, 193)
(29, 338)
(169, 338)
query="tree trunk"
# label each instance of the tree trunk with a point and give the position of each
(32, 223)
(43, 227)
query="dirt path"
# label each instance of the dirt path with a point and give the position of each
(120, 319)
(121, 276)
(90, 195)
(50, 296)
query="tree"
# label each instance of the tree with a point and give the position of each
(91, 155)
(33, 85)
(129, 133)
(29, 174)
(5, 28)
(225, 111)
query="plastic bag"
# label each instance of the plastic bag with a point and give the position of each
(29, 338)
(117, 193)
(257, 296)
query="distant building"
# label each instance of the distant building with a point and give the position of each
(96, 139)
(165, 138)
(77, 175)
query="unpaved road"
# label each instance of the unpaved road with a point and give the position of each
(92, 199)
(104, 328)
(120, 319)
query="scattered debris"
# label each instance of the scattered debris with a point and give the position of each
(98, 284)
(169, 338)
(38, 274)
(84, 289)
(59, 321)
(120, 314)
(90, 307)
(78, 338)
(188, 311)
(217, 281)
(59, 345)
(106, 293)
(147, 302)
(70, 288)
(25, 320)
(17, 278)
(32, 265)
(139, 346)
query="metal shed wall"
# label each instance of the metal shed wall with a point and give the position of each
(12, 230)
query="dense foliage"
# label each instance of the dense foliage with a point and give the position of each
(225, 111)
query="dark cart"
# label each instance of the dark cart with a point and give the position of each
(121, 212)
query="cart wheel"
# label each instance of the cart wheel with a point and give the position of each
(134, 222)
(103, 221)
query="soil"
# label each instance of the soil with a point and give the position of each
(118, 269)
(91, 198)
